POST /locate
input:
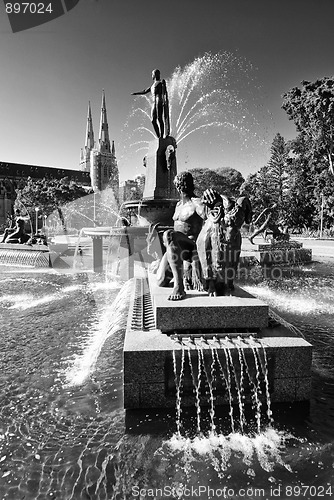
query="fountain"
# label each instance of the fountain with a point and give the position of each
(160, 196)
(62, 432)
(277, 247)
(241, 353)
(216, 93)
(19, 248)
(255, 359)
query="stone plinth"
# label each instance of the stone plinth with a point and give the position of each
(160, 195)
(160, 171)
(201, 312)
(150, 357)
(279, 253)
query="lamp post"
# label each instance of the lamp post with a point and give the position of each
(322, 214)
(36, 210)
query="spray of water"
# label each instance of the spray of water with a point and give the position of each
(217, 95)
(112, 321)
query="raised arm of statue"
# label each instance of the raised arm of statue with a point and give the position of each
(142, 92)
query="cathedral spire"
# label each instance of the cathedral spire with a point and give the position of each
(104, 141)
(89, 131)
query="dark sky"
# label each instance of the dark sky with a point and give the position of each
(49, 73)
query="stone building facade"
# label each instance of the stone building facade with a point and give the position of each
(98, 167)
(132, 189)
(99, 158)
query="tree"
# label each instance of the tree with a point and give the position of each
(277, 175)
(49, 195)
(224, 180)
(255, 187)
(300, 199)
(312, 110)
(271, 183)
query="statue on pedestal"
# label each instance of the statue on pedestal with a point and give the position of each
(159, 196)
(278, 231)
(180, 261)
(19, 235)
(203, 249)
(160, 105)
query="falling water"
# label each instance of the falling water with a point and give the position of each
(178, 385)
(256, 384)
(238, 389)
(244, 367)
(83, 364)
(227, 379)
(265, 372)
(197, 384)
(210, 386)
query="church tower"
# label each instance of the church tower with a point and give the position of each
(89, 143)
(100, 159)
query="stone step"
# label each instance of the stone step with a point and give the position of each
(198, 311)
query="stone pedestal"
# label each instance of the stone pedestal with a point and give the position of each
(151, 355)
(97, 254)
(276, 254)
(289, 252)
(160, 195)
(160, 170)
(201, 312)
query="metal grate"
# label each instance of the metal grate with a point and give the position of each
(142, 314)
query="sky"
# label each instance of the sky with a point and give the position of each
(50, 72)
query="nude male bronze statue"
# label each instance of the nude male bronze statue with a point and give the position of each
(203, 249)
(180, 260)
(159, 111)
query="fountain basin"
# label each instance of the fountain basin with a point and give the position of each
(151, 211)
(274, 354)
(276, 253)
(24, 255)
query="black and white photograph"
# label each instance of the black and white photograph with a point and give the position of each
(166, 249)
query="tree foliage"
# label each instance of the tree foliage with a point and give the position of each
(306, 185)
(277, 172)
(224, 180)
(271, 183)
(48, 195)
(312, 110)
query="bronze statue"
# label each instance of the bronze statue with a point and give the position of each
(19, 235)
(180, 261)
(204, 246)
(160, 106)
(219, 242)
(279, 233)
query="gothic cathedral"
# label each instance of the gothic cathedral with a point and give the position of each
(99, 159)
